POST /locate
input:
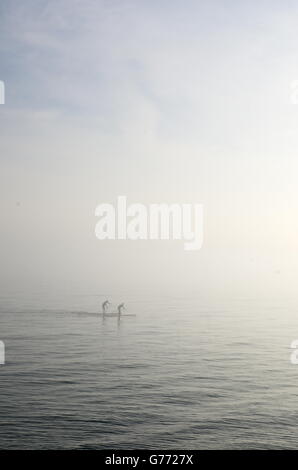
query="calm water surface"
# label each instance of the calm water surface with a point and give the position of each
(183, 373)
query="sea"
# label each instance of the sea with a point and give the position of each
(173, 372)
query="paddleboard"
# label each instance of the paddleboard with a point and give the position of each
(96, 314)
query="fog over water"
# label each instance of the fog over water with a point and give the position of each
(160, 102)
(183, 373)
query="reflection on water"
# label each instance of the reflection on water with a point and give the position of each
(181, 373)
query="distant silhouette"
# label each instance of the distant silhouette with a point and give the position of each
(120, 307)
(105, 306)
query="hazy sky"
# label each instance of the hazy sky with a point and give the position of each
(168, 101)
